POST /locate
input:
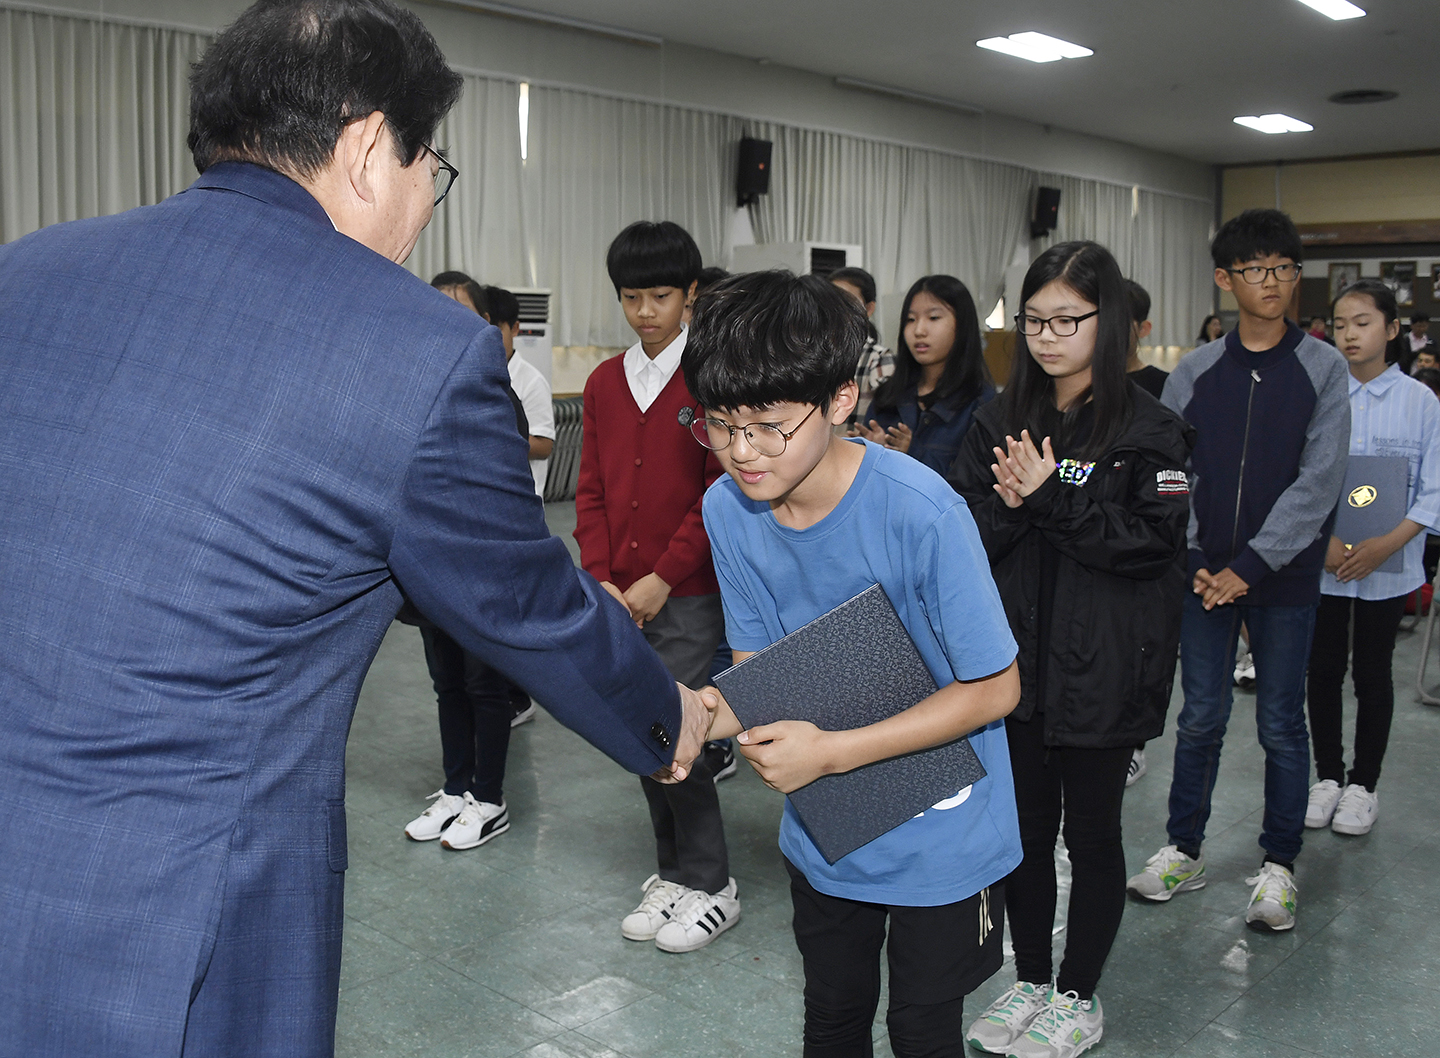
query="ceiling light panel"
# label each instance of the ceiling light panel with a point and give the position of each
(1274, 124)
(1339, 10)
(1036, 47)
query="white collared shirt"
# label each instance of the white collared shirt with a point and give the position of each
(648, 377)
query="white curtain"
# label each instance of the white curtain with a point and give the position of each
(94, 114)
(93, 117)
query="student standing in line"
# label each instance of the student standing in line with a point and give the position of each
(806, 521)
(876, 363)
(1085, 531)
(940, 379)
(1272, 416)
(638, 524)
(1391, 415)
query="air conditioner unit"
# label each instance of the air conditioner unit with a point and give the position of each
(534, 340)
(802, 258)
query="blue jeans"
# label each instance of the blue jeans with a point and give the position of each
(1280, 644)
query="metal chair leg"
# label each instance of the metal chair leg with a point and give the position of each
(1428, 699)
(1407, 624)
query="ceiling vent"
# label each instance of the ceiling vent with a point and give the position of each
(1363, 95)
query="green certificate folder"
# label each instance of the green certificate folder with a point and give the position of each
(849, 668)
(1374, 501)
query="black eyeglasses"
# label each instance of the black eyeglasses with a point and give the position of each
(445, 176)
(1060, 326)
(1257, 274)
(766, 438)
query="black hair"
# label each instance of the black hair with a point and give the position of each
(766, 338)
(1088, 269)
(1256, 233)
(1418, 317)
(1139, 301)
(651, 254)
(708, 277)
(1204, 326)
(965, 372)
(1430, 377)
(280, 83)
(858, 278)
(1383, 299)
(504, 306)
(464, 282)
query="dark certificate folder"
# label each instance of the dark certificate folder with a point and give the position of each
(1374, 501)
(849, 668)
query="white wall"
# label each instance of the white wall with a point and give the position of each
(697, 77)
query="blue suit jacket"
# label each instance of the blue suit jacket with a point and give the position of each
(226, 432)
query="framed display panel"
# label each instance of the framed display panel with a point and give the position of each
(1399, 276)
(1342, 274)
(1435, 282)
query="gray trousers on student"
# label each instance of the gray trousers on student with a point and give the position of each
(689, 836)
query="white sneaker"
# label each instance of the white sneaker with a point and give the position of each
(698, 918)
(1008, 1017)
(524, 716)
(655, 908)
(1272, 902)
(1066, 1026)
(477, 823)
(429, 823)
(1324, 796)
(1166, 873)
(1245, 670)
(1137, 767)
(1356, 812)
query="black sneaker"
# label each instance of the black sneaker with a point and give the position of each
(720, 755)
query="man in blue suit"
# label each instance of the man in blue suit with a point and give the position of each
(232, 430)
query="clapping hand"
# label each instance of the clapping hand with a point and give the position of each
(1022, 468)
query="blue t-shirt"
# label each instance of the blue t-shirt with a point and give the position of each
(900, 526)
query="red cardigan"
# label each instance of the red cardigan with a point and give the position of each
(642, 477)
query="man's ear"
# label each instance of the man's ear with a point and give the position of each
(1222, 280)
(843, 403)
(358, 151)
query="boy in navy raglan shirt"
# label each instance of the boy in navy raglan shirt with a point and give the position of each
(1271, 409)
(805, 521)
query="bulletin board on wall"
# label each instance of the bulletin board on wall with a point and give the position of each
(1413, 272)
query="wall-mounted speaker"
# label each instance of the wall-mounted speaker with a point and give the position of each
(753, 179)
(1047, 212)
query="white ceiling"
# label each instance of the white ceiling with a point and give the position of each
(1166, 74)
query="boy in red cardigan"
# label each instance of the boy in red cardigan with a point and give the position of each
(637, 520)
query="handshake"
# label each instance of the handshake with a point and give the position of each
(697, 717)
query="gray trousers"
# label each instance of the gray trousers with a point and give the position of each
(689, 835)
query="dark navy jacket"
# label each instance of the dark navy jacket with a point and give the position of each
(937, 432)
(216, 463)
(1272, 440)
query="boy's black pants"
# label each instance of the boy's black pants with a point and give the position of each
(937, 956)
(1374, 647)
(689, 834)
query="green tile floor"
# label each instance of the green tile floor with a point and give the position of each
(515, 948)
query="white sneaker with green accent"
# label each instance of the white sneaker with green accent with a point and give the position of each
(1356, 811)
(1006, 1018)
(1065, 1027)
(1272, 903)
(1166, 873)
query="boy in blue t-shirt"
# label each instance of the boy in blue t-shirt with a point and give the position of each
(805, 521)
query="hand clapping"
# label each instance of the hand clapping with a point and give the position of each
(1022, 469)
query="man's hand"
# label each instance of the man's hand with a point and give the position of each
(616, 594)
(696, 717)
(1219, 589)
(1335, 554)
(898, 438)
(1364, 558)
(645, 598)
(1023, 468)
(788, 754)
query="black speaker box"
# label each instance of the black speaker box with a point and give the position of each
(753, 179)
(1047, 212)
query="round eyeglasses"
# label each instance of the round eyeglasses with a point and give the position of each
(766, 438)
(1257, 274)
(1060, 326)
(445, 176)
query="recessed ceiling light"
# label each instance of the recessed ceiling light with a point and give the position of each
(1273, 124)
(1037, 47)
(1339, 10)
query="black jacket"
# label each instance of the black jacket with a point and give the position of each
(1120, 583)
